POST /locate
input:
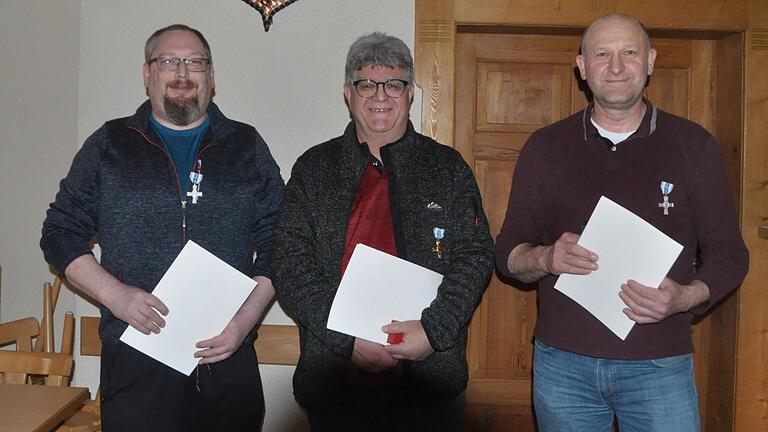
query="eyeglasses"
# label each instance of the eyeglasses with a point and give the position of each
(393, 88)
(171, 64)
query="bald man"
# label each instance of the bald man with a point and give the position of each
(663, 168)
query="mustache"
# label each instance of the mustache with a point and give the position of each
(181, 84)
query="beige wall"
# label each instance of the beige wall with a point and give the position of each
(38, 132)
(69, 66)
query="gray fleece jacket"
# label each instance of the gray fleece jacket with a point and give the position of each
(430, 186)
(122, 190)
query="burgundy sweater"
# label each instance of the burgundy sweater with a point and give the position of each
(563, 170)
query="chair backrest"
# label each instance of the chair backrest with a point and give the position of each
(277, 344)
(19, 332)
(17, 367)
(90, 342)
(68, 334)
(68, 337)
(45, 342)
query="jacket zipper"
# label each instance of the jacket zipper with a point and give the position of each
(176, 176)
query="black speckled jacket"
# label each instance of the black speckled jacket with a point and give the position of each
(309, 244)
(122, 187)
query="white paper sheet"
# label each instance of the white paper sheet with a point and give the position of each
(202, 293)
(628, 248)
(378, 288)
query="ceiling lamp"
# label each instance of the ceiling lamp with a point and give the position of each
(268, 8)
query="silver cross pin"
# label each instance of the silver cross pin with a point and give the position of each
(195, 194)
(666, 205)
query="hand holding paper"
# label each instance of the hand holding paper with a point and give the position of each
(203, 293)
(140, 309)
(222, 347)
(629, 248)
(371, 356)
(378, 288)
(650, 305)
(567, 256)
(414, 346)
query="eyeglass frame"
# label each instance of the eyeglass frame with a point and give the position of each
(405, 83)
(179, 60)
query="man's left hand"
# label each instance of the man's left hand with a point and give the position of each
(415, 345)
(650, 305)
(222, 347)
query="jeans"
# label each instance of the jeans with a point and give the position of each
(576, 393)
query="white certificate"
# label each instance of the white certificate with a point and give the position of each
(378, 288)
(202, 293)
(628, 248)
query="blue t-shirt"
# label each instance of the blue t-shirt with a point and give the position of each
(183, 146)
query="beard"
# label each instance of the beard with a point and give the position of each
(181, 111)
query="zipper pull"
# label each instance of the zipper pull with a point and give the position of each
(197, 378)
(183, 215)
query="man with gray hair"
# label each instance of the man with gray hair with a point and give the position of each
(384, 185)
(665, 169)
(177, 170)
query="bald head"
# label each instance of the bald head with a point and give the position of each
(615, 61)
(614, 17)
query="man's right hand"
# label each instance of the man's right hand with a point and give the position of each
(371, 356)
(138, 308)
(126, 302)
(566, 256)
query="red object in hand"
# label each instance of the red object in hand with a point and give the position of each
(394, 338)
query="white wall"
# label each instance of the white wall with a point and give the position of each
(68, 67)
(39, 48)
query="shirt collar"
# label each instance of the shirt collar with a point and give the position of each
(647, 125)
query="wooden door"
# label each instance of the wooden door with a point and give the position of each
(507, 86)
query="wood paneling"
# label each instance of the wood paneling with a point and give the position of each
(435, 32)
(716, 335)
(751, 404)
(690, 14)
(499, 418)
(507, 86)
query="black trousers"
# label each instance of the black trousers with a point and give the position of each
(373, 409)
(139, 394)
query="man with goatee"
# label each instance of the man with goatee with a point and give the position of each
(176, 170)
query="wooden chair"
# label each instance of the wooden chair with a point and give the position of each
(18, 367)
(19, 332)
(88, 419)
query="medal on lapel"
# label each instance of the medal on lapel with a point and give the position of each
(666, 189)
(196, 177)
(438, 249)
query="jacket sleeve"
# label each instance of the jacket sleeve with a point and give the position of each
(471, 265)
(301, 286)
(723, 255)
(72, 219)
(267, 205)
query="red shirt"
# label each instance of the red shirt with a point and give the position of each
(370, 221)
